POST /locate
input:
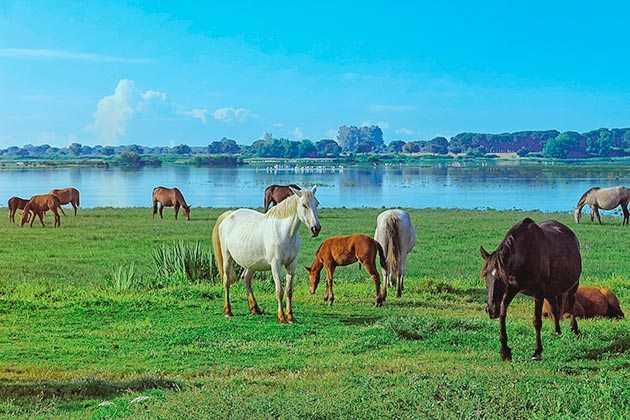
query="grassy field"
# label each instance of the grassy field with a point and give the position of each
(70, 339)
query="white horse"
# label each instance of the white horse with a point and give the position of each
(263, 242)
(606, 199)
(397, 236)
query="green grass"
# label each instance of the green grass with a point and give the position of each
(70, 338)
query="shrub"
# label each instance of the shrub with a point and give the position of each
(186, 259)
(125, 278)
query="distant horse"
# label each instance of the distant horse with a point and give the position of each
(15, 204)
(68, 195)
(39, 205)
(263, 242)
(397, 236)
(346, 250)
(541, 260)
(604, 198)
(169, 197)
(274, 194)
(590, 302)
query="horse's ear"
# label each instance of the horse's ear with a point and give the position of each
(307, 268)
(484, 254)
(296, 192)
(314, 189)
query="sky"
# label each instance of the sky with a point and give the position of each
(171, 72)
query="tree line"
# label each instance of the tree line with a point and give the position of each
(603, 142)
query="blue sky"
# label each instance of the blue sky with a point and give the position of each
(164, 73)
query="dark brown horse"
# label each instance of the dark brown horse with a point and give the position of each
(68, 195)
(15, 204)
(346, 250)
(540, 260)
(39, 205)
(169, 197)
(276, 193)
(590, 302)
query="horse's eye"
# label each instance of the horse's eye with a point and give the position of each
(305, 206)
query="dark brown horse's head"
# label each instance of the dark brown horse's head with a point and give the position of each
(186, 208)
(313, 277)
(493, 273)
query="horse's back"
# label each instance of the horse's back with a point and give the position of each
(244, 236)
(402, 221)
(562, 251)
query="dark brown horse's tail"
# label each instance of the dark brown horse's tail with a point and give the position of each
(381, 255)
(78, 199)
(393, 244)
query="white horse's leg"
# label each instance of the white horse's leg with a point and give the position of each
(228, 277)
(289, 286)
(248, 275)
(402, 266)
(276, 268)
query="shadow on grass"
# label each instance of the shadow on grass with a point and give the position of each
(83, 388)
(615, 347)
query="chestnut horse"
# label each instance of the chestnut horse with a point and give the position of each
(15, 204)
(541, 260)
(345, 250)
(67, 195)
(590, 302)
(39, 205)
(169, 197)
(276, 193)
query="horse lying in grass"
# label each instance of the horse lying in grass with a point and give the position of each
(275, 194)
(15, 204)
(169, 197)
(604, 198)
(397, 236)
(68, 195)
(589, 302)
(263, 242)
(538, 259)
(39, 205)
(346, 250)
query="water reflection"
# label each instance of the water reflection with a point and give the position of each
(544, 187)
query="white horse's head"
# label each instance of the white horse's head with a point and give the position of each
(577, 214)
(307, 209)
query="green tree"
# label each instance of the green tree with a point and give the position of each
(562, 145)
(396, 146)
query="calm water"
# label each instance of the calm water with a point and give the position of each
(542, 187)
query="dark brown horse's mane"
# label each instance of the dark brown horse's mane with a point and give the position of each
(581, 200)
(501, 255)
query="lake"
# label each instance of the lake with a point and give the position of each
(500, 186)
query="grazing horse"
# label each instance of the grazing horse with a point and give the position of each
(589, 302)
(68, 195)
(540, 260)
(263, 242)
(15, 204)
(604, 198)
(346, 250)
(397, 236)
(169, 197)
(274, 194)
(40, 204)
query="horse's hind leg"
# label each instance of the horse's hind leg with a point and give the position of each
(248, 275)
(571, 308)
(599, 219)
(161, 210)
(229, 277)
(537, 321)
(74, 206)
(626, 214)
(556, 314)
(155, 207)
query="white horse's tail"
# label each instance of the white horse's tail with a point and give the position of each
(393, 245)
(216, 247)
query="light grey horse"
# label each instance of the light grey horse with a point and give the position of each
(606, 199)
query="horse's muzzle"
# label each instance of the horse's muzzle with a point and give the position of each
(315, 230)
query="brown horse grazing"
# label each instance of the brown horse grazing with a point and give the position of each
(589, 302)
(345, 250)
(68, 195)
(40, 204)
(169, 197)
(541, 260)
(276, 193)
(15, 204)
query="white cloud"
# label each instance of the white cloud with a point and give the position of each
(113, 112)
(227, 114)
(331, 133)
(388, 108)
(382, 124)
(278, 125)
(298, 133)
(67, 55)
(404, 131)
(200, 114)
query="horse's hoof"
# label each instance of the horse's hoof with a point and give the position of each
(537, 357)
(291, 319)
(506, 355)
(228, 314)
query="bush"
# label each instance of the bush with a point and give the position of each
(522, 152)
(187, 260)
(124, 278)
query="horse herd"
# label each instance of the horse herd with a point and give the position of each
(541, 260)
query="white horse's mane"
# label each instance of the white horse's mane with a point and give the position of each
(288, 207)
